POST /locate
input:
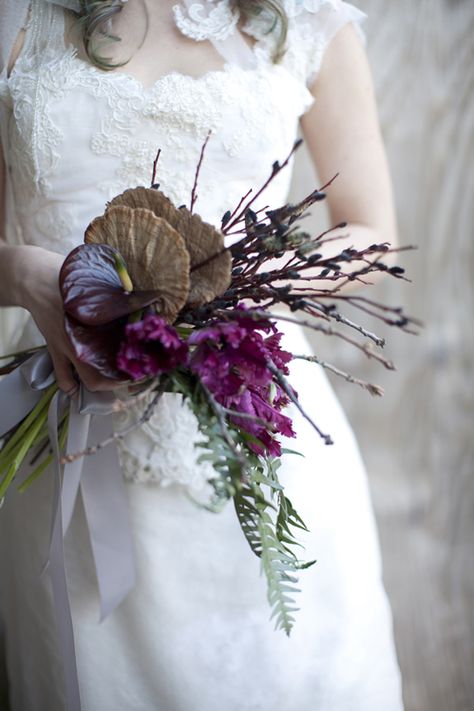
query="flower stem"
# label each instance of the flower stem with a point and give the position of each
(27, 442)
(39, 411)
(44, 464)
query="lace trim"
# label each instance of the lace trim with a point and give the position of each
(200, 24)
(165, 450)
(185, 109)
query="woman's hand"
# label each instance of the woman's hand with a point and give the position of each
(38, 291)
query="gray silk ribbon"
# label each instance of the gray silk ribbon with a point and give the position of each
(100, 481)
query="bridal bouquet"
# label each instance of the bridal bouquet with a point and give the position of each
(156, 298)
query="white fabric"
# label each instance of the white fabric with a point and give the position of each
(194, 635)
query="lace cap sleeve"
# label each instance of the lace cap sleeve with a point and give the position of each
(312, 25)
(13, 14)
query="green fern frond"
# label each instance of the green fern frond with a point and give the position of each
(279, 568)
(268, 530)
(249, 517)
(266, 516)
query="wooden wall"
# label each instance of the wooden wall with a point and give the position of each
(418, 441)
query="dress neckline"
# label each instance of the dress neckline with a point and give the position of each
(226, 70)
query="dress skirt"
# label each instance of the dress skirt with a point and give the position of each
(195, 634)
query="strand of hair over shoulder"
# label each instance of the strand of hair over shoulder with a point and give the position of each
(96, 16)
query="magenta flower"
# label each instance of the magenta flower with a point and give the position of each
(258, 402)
(231, 359)
(150, 348)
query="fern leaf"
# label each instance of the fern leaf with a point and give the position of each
(278, 570)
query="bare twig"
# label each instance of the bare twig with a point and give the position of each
(68, 458)
(322, 328)
(277, 167)
(372, 389)
(155, 165)
(241, 201)
(194, 195)
(288, 390)
(336, 316)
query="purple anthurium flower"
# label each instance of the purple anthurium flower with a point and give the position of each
(97, 346)
(97, 304)
(92, 289)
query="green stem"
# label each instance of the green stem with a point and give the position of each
(21, 453)
(36, 473)
(27, 351)
(22, 429)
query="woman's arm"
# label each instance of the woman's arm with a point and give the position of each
(13, 260)
(343, 135)
(29, 277)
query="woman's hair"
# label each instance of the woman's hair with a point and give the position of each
(96, 15)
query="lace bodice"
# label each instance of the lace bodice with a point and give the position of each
(74, 136)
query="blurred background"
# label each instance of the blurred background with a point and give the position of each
(418, 440)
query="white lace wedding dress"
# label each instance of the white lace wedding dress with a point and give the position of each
(194, 634)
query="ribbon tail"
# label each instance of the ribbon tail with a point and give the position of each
(106, 508)
(76, 442)
(57, 571)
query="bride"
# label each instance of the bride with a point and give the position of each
(82, 118)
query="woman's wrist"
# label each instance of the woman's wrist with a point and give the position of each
(21, 273)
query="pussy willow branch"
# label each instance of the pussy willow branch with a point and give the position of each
(194, 195)
(229, 215)
(148, 412)
(288, 390)
(277, 167)
(155, 166)
(326, 330)
(335, 316)
(400, 322)
(273, 236)
(370, 387)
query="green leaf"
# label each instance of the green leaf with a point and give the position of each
(285, 450)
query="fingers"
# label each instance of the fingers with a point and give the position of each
(69, 375)
(65, 376)
(92, 379)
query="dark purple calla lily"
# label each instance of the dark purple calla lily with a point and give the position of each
(97, 305)
(93, 293)
(97, 346)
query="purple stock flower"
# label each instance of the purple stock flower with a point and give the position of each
(150, 348)
(231, 359)
(258, 402)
